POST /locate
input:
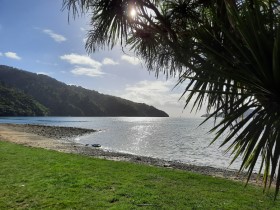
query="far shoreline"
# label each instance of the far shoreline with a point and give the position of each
(61, 139)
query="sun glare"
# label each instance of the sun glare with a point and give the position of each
(133, 12)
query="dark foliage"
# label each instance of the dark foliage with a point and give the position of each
(16, 103)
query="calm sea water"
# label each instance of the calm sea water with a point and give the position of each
(177, 139)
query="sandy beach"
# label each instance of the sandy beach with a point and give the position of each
(61, 139)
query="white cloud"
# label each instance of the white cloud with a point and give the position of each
(81, 60)
(131, 60)
(84, 65)
(1, 54)
(56, 37)
(152, 92)
(161, 95)
(109, 61)
(87, 71)
(12, 55)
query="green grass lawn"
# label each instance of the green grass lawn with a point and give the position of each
(33, 178)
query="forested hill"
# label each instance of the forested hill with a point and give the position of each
(67, 100)
(16, 103)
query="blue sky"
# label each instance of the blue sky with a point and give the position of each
(36, 36)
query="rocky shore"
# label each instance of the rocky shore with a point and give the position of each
(55, 132)
(60, 139)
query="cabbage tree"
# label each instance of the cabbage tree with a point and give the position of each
(227, 52)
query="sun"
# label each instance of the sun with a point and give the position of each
(133, 13)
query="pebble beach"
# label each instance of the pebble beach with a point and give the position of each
(61, 139)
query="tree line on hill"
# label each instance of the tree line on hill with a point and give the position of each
(16, 103)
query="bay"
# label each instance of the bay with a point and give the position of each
(175, 139)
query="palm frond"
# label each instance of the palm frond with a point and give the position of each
(246, 53)
(228, 51)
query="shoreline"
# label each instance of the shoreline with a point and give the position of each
(61, 139)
